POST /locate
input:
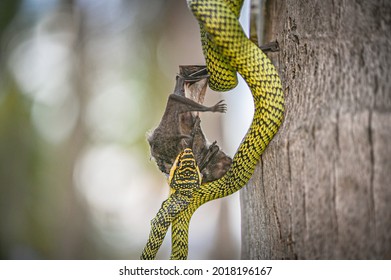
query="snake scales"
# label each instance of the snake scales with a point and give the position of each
(227, 50)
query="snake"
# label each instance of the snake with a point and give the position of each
(183, 179)
(227, 51)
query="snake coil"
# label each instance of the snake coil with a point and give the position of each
(227, 50)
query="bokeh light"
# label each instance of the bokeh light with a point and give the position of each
(81, 84)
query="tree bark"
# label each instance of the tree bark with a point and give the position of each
(323, 187)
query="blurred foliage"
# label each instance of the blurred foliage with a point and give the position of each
(8, 9)
(81, 83)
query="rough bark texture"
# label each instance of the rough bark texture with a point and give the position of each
(323, 187)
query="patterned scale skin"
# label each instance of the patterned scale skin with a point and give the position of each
(184, 178)
(226, 47)
(227, 50)
(222, 75)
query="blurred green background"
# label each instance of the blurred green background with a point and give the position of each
(81, 83)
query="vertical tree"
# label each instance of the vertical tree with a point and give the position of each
(323, 187)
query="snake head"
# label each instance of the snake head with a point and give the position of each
(184, 173)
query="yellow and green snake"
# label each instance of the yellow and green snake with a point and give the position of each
(227, 50)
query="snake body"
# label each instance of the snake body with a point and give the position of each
(227, 50)
(184, 178)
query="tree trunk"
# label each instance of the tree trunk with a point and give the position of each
(323, 187)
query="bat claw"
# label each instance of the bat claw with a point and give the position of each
(220, 107)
